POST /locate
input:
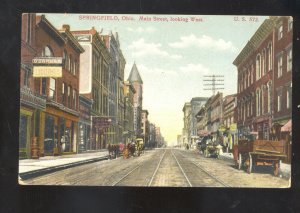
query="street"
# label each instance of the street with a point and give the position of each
(162, 167)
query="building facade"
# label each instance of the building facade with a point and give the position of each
(145, 127)
(94, 83)
(262, 72)
(186, 134)
(137, 82)
(129, 92)
(32, 103)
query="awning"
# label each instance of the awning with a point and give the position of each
(287, 127)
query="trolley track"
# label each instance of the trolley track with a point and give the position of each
(202, 170)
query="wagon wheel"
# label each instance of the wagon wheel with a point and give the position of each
(239, 161)
(249, 164)
(276, 168)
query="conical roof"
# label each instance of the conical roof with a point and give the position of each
(135, 75)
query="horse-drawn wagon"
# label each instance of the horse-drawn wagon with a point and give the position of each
(249, 154)
(209, 147)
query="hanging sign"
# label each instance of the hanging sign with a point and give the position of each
(47, 67)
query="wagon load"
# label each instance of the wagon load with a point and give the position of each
(249, 154)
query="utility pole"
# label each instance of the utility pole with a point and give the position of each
(213, 81)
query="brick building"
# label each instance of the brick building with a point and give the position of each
(58, 125)
(31, 102)
(263, 80)
(145, 127)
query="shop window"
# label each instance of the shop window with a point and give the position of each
(23, 135)
(52, 92)
(49, 135)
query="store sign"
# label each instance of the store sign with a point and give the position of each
(101, 122)
(47, 67)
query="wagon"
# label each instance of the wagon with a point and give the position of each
(249, 154)
(212, 149)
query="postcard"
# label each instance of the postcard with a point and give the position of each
(156, 100)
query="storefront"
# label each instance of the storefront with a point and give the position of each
(59, 132)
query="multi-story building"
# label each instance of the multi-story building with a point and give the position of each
(263, 79)
(282, 77)
(116, 88)
(196, 104)
(94, 83)
(59, 123)
(145, 127)
(230, 119)
(186, 123)
(216, 119)
(85, 107)
(137, 82)
(129, 92)
(152, 135)
(31, 102)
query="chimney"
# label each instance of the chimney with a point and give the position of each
(66, 27)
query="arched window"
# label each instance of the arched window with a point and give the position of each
(47, 52)
(263, 61)
(270, 61)
(258, 67)
(70, 63)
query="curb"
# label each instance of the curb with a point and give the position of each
(40, 172)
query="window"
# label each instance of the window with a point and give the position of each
(289, 59)
(44, 84)
(47, 52)
(270, 56)
(52, 88)
(252, 75)
(70, 64)
(263, 67)
(287, 99)
(65, 59)
(249, 77)
(63, 93)
(258, 67)
(280, 32)
(279, 74)
(258, 96)
(279, 103)
(69, 96)
(26, 77)
(290, 23)
(74, 99)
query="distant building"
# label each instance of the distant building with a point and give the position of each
(145, 127)
(152, 135)
(129, 92)
(186, 135)
(137, 82)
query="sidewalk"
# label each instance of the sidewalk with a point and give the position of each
(29, 168)
(284, 172)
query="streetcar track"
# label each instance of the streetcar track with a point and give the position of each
(152, 178)
(181, 169)
(208, 173)
(131, 171)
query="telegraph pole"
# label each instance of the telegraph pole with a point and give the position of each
(213, 81)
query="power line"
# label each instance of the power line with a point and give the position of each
(215, 80)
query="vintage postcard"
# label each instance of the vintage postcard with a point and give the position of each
(156, 100)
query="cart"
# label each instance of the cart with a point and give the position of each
(212, 149)
(249, 154)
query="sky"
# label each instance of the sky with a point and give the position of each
(172, 54)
